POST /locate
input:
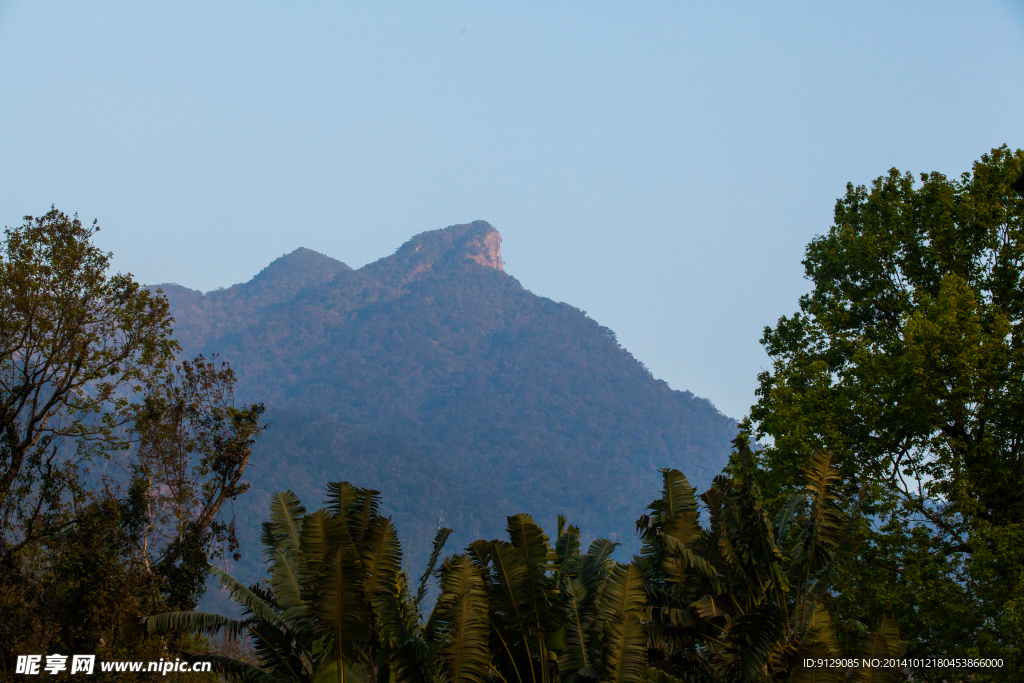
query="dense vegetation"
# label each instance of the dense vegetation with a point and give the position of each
(740, 600)
(907, 362)
(448, 387)
(117, 467)
(880, 518)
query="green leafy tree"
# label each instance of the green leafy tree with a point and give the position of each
(114, 466)
(192, 446)
(74, 589)
(136, 544)
(75, 343)
(906, 361)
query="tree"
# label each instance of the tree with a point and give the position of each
(115, 468)
(906, 361)
(192, 448)
(75, 344)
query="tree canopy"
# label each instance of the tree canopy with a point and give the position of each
(115, 463)
(75, 343)
(906, 361)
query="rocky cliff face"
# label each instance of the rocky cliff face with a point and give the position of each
(489, 251)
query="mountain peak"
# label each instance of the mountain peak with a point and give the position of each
(303, 265)
(477, 241)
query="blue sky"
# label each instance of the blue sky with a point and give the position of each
(659, 165)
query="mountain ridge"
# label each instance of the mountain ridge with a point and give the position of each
(434, 376)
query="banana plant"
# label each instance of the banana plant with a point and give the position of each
(338, 607)
(335, 579)
(520, 611)
(743, 599)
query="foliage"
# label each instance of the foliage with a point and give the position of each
(747, 598)
(906, 362)
(115, 467)
(72, 592)
(557, 613)
(75, 343)
(334, 574)
(193, 446)
(338, 605)
(744, 599)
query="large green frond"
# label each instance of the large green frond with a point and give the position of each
(680, 557)
(381, 558)
(435, 553)
(873, 646)
(193, 622)
(659, 676)
(785, 516)
(597, 563)
(245, 597)
(278, 652)
(510, 581)
(461, 624)
(578, 622)
(531, 542)
(479, 551)
(539, 589)
(313, 541)
(814, 674)
(567, 546)
(362, 515)
(622, 602)
(358, 507)
(819, 627)
(825, 522)
(626, 652)
(341, 497)
(283, 530)
(752, 639)
(280, 659)
(844, 552)
(321, 533)
(890, 630)
(398, 627)
(288, 591)
(821, 476)
(339, 602)
(745, 537)
(710, 607)
(623, 593)
(677, 493)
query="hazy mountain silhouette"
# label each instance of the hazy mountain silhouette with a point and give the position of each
(433, 376)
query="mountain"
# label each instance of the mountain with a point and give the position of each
(435, 377)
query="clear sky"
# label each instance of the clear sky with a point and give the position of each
(660, 165)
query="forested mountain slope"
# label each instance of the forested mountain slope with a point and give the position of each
(433, 376)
